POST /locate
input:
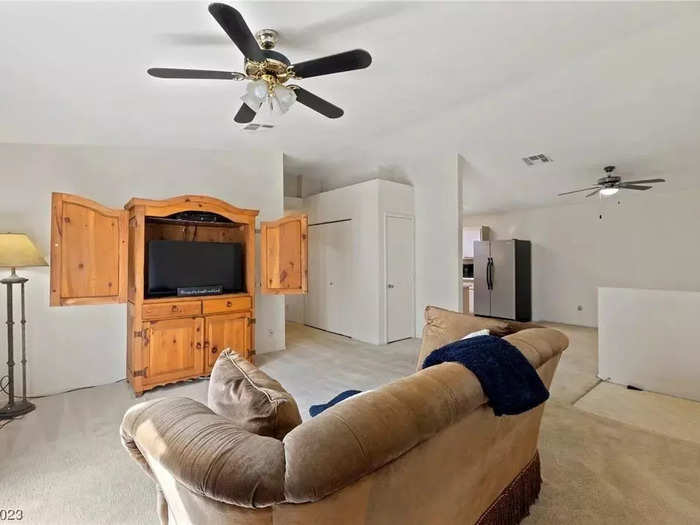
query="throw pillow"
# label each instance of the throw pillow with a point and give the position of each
(444, 326)
(476, 334)
(250, 398)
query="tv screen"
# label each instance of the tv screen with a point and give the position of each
(184, 264)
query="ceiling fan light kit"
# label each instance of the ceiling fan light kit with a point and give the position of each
(610, 184)
(277, 97)
(269, 70)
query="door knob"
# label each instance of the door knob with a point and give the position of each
(389, 285)
(330, 283)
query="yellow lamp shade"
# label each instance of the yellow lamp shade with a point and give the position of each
(17, 250)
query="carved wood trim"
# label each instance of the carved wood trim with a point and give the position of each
(172, 205)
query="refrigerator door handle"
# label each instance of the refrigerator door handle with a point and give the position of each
(488, 273)
(489, 276)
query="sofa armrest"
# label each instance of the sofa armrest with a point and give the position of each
(205, 452)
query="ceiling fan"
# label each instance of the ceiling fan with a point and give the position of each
(611, 184)
(269, 70)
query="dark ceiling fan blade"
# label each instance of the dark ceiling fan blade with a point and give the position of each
(593, 193)
(232, 22)
(348, 61)
(628, 186)
(168, 72)
(244, 115)
(577, 191)
(317, 103)
(645, 181)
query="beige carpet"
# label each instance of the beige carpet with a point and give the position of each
(597, 470)
(63, 464)
(666, 415)
(576, 375)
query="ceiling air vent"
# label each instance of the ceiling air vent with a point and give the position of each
(257, 127)
(540, 158)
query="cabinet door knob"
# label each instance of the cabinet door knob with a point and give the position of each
(229, 304)
(214, 350)
(198, 346)
(174, 308)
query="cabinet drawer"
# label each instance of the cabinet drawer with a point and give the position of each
(230, 304)
(167, 310)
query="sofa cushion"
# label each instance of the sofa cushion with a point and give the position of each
(445, 326)
(250, 398)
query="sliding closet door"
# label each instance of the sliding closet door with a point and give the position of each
(330, 277)
(315, 299)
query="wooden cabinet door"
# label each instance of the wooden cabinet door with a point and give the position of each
(226, 331)
(283, 253)
(89, 249)
(172, 349)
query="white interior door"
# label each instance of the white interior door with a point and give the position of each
(330, 277)
(337, 238)
(399, 278)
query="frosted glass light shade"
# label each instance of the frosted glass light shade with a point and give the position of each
(256, 93)
(17, 250)
(285, 98)
(609, 191)
(269, 112)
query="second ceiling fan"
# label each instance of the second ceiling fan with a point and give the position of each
(611, 184)
(269, 71)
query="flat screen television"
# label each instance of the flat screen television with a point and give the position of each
(185, 264)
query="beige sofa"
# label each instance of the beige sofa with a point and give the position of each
(425, 449)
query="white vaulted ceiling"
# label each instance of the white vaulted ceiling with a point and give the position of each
(587, 83)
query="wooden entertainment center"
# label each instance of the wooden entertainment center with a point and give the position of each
(99, 256)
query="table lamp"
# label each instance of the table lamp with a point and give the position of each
(16, 251)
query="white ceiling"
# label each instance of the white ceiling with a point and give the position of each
(587, 83)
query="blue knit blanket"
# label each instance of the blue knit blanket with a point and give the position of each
(315, 410)
(507, 377)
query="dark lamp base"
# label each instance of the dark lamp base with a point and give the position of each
(19, 408)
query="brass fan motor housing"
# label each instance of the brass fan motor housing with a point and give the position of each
(273, 71)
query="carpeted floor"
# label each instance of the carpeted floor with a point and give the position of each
(666, 415)
(63, 464)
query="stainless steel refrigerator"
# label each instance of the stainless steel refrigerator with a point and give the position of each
(502, 279)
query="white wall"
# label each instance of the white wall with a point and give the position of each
(365, 204)
(437, 183)
(70, 347)
(648, 338)
(632, 240)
